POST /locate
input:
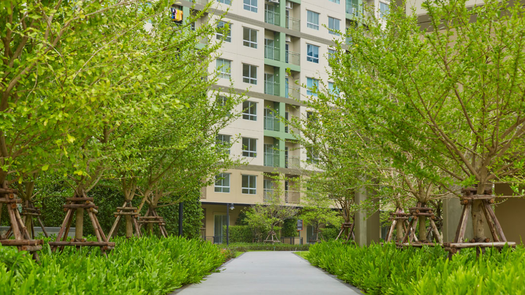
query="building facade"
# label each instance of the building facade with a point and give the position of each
(273, 47)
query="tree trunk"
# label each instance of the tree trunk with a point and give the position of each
(422, 236)
(79, 227)
(29, 225)
(477, 221)
(400, 231)
(129, 227)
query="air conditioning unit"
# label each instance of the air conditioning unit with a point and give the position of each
(289, 5)
(288, 39)
(274, 1)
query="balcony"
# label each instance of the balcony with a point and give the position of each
(293, 24)
(293, 58)
(271, 159)
(268, 195)
(292, 197)
(352, 8)
(272, 17)
(293, 91)
(271, 123)
(271, 87)
(292, 163)
(201, 2)
(271, 52)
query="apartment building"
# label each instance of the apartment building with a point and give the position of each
(272, 47)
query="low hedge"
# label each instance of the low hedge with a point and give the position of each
(243, 247)
(136, 266)
(387, 270)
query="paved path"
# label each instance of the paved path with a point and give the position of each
(270, 272)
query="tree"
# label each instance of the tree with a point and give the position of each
(272, 213)
(444, 102)
(317, 212)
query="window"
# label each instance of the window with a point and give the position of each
(229, 2)
(312, 20)
(383, 9)
(249, 184)
(335, 1)
(223, 142)
(222, 183)
(222, 103)
(312, 156)
(249, 110)
(312, 53)
(249, 74)
(250, 5)
(332, 89)
(224, 68)
(225, 31)
(249, 37)
(249, 147)
(334, 25)
(312, 85)
(331, 53)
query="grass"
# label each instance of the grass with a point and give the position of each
(303, 254)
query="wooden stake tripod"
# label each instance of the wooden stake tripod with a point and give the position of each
(126, 210)
(152, 217)
(30, 212)
(349, 228)
(22, 239)
(416, 212)
(469, 196)
(77, 205)
(272, 237)
(398, 217)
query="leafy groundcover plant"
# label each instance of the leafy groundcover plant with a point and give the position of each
(137, 266)
(387, 270)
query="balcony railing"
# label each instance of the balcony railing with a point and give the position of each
(271, 159)
(271, 87)
(293, 24)
(271, 52)
(292, 163)
(272, 17)
(293, 58)
(271, 123)
(268, 195)
(201, 2)
(352, 8)
(292, 197)
(293, 91)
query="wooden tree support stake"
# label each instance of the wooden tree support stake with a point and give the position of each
(127, 210)
(410, 236)
(152, 217)
(22, 239)
(499, 239)
(348, 229)
(81, 203)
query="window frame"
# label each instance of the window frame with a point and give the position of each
(222, 187)
(336, 1)
(224, 139)
(249, 148)
(249, 79)
(310, 83)
(249, 43)
(312, 58)
(220, 36)
(220, 68)
(383, 13)
(227, 2)
(331, 28)
(310, 21)
(248, 190)
(250, 6)
(246, 110)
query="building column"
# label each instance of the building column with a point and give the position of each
(367, 228)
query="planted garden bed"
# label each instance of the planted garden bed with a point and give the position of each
(136, 266)
(243, 247)
(388, 270)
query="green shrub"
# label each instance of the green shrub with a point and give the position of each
(387, 270)
(243, 247)
(240, 234)
(135, 266)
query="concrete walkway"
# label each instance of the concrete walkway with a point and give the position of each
(271, 272)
